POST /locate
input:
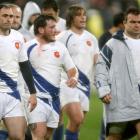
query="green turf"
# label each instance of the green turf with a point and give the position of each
(91, 128)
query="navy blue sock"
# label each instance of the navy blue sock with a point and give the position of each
(58, 133)
(3, 135)
(103, 131)
(71, 135)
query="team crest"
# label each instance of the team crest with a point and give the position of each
(57, 54)
(89, 43)
(17, 45)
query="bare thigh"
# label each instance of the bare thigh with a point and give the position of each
(38, 130)
(49, 133)
(75, 116)
(74, 111)
(16, 126)
(138, 129)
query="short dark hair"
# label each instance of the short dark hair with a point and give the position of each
(131, 10)
(71, 13)
(41, 21)
(118, 19)
(4, 5)
(47, 4)
(12, 5)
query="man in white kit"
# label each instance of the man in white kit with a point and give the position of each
(83, 48)
(50, 7)
(13, 57)
(47, 58)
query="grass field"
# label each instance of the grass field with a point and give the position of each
(91, 127)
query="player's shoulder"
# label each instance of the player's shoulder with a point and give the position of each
(65, 33)
(31, 43)
(59, 44)
(15, 33)
(88, 34)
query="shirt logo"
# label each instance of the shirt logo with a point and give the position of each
(89, 43)
(56, 54)
(17, 45)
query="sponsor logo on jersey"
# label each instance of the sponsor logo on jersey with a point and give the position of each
(57, 54)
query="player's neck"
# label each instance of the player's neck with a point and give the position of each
(132, 35)
(77, 30)
(41, 40)
(4, 32)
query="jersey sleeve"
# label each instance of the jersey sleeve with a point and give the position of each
(23, 52)
(67, 60)
(62, 37)
(96, 46)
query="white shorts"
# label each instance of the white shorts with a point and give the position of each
(10, 105)
(70, 95)
(46, 111)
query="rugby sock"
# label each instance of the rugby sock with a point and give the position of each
(3, 135)
(28, 135)
(58, 133)
(71, 135)
(103, 131)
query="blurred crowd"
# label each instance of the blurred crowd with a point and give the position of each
(100, 12)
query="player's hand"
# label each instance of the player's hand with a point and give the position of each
(107, 98)
(32, 102)
(72, 82)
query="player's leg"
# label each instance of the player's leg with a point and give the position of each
(37, 119)
(103, 126)
(75, 119)
(53, 119)
(102, 130)
(137, 125)
(49, 133)
(13, 118)
(3, 103)
(28, 135)
(16, 127)
(116, 130)
(70, 103)
(24, 100)
(38, 130)
(3, 131)
(58, 132)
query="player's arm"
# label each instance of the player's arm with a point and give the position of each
(27, 75)
(72, 77)
(71, 69)
(96, 51)
(96, 58)
(102, 74)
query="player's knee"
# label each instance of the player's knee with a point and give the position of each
(16, 136)
(77, 121)
(39, 135)
(48, 137)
